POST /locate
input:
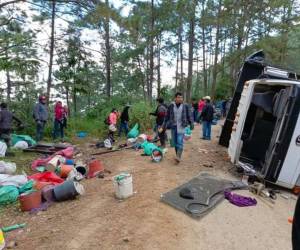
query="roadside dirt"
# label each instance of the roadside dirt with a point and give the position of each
(98, 221)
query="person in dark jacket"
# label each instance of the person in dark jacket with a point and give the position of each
(160, 113)
(296, 227)
(40, 115)
(207, 117)
(124, 121)
(178, 117)
(6, 121)
(195, 109)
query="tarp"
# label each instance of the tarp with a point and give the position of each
(12, 180)
(48, 176)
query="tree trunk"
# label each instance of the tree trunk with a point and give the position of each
(107, 53)
(204, 53)
(191, 51)
(151, 52)
(49, 81)
(181, 84)
(176, 72)
(158, 65)
(215, 67)
(68, 101)
(8, 80)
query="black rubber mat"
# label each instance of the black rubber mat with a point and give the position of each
(207, 192)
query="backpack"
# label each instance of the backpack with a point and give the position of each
(106, 121)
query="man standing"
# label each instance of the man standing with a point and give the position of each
(160, 113)
(6, 119)
(178, 118)
(124, 120)
(40, 115)
(207, 117)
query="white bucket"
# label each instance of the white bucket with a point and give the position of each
(123, 185)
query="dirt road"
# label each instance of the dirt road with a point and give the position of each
(99, 221)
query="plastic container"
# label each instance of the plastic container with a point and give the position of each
(95, 167)
(123, 185)
(69, 162)
(68, 190)
(30, 201)
(64, 170)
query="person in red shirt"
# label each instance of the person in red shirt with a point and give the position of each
(201, 105)
(112, 123)
(58, 121)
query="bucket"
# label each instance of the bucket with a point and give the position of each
(81, 169)
(30, 201)
(123, 185)
(64, 170)
(69, 162)
(157, 155)
(47, 193)
(68, 190)
(95, 167)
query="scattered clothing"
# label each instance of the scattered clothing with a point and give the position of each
(239, 200)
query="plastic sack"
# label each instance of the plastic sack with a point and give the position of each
(149, 147)
(12, 180)
(21, 145)
(16, 138)
(8, 194)
(28, 186)
(134, 132)
(187, 133)
(7, 167)
(68, 152)
(3, 148)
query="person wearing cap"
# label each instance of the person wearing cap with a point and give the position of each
(207, 116)
(179, 116)
(6, 120)
(40, 115)
(124, 121)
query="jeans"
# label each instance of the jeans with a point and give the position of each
(40, 126)
(195, 115)
(58, 129)
(206, 128)
(123, 126)
(177, 139)
(5, 136)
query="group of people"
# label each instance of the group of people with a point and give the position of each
(40, 115)
(176, 117)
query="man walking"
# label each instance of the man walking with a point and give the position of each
(6, 119)
(178, 118)
(40, 115)
(207, 117)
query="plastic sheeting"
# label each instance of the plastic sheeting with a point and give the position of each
(7, 167)
(3, 148)
(49, 177)
(12, 180)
